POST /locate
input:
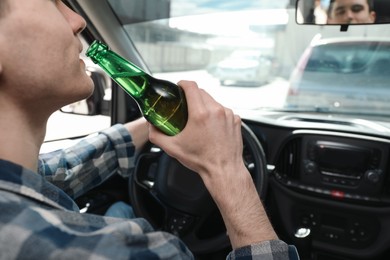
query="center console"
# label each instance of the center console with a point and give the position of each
(356, 167)
(333, 185)
(345, 168)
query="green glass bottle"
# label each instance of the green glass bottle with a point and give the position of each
(162, 102)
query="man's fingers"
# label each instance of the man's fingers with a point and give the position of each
(193, 96)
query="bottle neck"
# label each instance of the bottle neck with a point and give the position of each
(115, 65)
(131, 78)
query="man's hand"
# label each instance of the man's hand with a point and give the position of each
(211, 145)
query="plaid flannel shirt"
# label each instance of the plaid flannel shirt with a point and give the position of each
(40, 220)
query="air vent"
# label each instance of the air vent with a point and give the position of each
(288, 164)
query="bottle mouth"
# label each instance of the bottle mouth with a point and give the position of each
(94, 49)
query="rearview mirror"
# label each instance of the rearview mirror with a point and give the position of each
(343, 12)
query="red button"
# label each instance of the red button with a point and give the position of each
(337, 194)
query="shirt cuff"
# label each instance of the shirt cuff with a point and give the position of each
(123, 146)
(273, 250)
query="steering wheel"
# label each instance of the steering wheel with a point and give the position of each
(174, 199)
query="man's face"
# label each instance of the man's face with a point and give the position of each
(40, 54)
(350, 11)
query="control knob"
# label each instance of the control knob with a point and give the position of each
(373, 176)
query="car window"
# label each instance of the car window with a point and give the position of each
(355, 57)
(210, 42)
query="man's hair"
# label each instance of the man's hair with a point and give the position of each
(370, 5)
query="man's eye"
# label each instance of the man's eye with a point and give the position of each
(357, 8)
(340, 12)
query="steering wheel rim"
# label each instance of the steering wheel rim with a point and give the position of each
(174, 199)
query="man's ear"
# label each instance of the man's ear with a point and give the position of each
(373, 16)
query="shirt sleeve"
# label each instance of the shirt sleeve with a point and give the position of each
(272, 250)
(90, 162)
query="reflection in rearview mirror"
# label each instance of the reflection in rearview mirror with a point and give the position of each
(343, 12)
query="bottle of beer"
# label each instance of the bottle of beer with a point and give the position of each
(162, 102)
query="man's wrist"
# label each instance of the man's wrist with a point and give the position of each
(239, 203)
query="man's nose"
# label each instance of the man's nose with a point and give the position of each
(349, 14)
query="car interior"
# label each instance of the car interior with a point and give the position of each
(322, 170)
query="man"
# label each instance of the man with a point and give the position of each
(351, 12)
(40, 71)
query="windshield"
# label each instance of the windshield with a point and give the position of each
(252, 55)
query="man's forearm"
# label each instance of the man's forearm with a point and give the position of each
(241, 208)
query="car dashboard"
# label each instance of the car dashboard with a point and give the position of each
(329, 190)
